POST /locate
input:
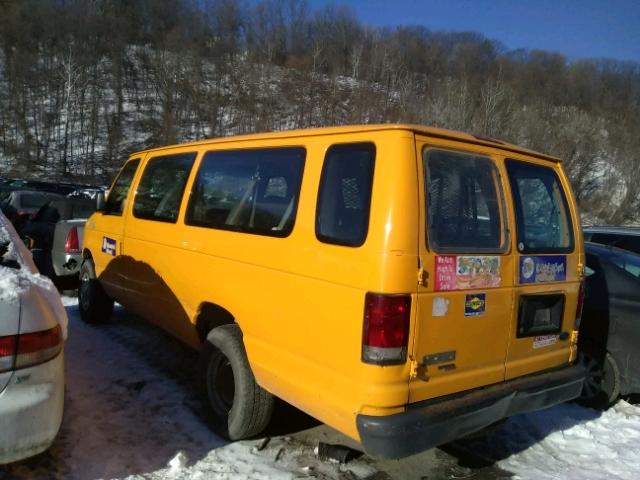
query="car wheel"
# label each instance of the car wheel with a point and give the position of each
(239, 408)
(602, 381)
(94, 304)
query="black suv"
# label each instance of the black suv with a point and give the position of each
(627, 238)
(609, 340)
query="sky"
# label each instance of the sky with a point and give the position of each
(575, 28)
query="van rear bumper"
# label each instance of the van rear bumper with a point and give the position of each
(433, 422)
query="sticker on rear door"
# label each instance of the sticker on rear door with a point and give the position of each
(544, 341)
(467, 271)
(109, 246)
(540, 269)
(475, 304)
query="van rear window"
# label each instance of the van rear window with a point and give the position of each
(250, 191)
(463, 203)
(344, 199)
(542, 213)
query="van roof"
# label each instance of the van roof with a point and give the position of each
(419, 129)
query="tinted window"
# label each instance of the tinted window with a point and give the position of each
(626, 242)
(631, 243)
(463, 206)
(344, 200)
(604, 238)
(160, 190)
(32, 200)
(83, 210)
(253, 191)
(543, 222)
(114, 204)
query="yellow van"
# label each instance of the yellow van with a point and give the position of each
(403, 284)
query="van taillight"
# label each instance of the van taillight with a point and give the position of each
(385, 332)
(29, 349)
(576, 324)
(72, 245)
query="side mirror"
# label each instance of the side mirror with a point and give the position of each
(100, 202)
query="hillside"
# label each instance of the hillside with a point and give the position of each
(82, 84)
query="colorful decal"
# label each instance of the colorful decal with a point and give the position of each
(544, 341)
(475, 304)
(539, 269)
(109, 246)
(464, 272)
(445, 273)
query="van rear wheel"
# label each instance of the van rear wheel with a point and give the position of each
(239, 407)
(94, 304)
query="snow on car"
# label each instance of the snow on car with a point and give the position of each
(33, 327)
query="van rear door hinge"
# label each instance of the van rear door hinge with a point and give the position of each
(423, 276)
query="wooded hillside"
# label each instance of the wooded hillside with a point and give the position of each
(84, 82)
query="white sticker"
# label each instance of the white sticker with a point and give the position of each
(544, 341)
(440, 307)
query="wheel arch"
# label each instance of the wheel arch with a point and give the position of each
(211, 315)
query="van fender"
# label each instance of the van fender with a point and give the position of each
(211, 315)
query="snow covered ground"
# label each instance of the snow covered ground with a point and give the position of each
(132, 412)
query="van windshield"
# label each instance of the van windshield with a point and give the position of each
(542, 213)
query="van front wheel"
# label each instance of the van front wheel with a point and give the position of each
(94, 304)
(239, 406)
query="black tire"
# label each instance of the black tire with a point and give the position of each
(94, 304)
(602, 382)
(239, 408)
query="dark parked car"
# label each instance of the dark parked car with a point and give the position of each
(59, 188)
(627, 238)
(609, 341)
(19, 206)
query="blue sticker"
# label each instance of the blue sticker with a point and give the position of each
(539, 269)
(109, 246)
(475, 304)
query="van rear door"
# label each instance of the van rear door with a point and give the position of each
(549, 267)
(465, 296)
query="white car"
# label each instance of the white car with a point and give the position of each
(33, 328)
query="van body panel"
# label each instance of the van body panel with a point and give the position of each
(455, 346)
(535, 352)
(150, 256)
(105, 243)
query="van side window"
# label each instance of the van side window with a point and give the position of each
(542, 213)
(160, 190)
(114, 204)
(250, 191)
(344, 199)
(463, 203)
